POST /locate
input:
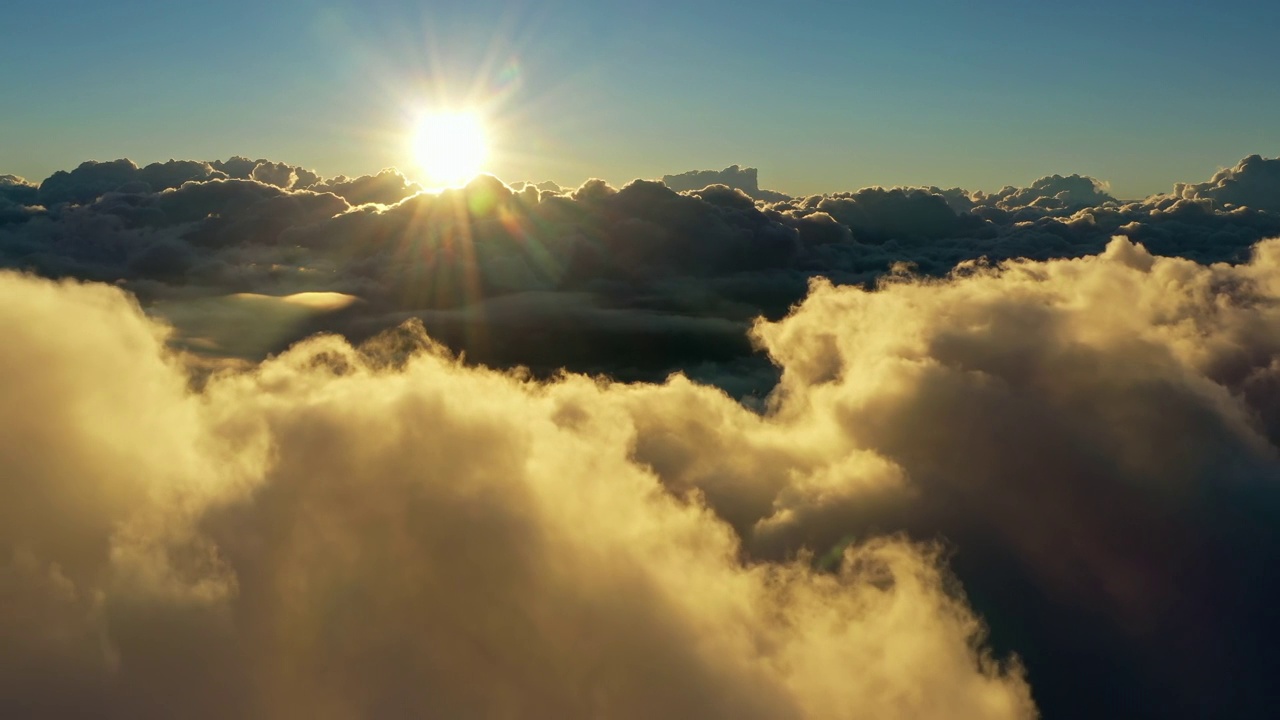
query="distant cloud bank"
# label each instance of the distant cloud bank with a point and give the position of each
(635, 282)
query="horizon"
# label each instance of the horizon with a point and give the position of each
(1102, 183)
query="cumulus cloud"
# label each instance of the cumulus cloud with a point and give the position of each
(387, 187)
(384, 531)
(93, 179)
(878, 215)
(1254, 182)
(18, 199)
(1095, 437)
(18, 191)
(1054, 192)
(739, 178)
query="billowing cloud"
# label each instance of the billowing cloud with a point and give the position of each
(1097, 438)
(93, 179)
(387, 187)
(877, 215)
(1254, 183)
(1052, 193)
(347, 532)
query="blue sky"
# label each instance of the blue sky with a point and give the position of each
(819, 96)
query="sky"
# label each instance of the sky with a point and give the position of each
(819, 96)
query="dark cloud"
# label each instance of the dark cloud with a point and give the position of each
(1052, 193)
(738, 178)
(878, 215)
(19, 199)
(94, 179)
(17, 191)
(278, 174)
(712, 253)
(387, 187)
(274, 173)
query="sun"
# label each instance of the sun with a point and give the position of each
(450, 148)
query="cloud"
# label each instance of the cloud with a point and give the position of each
(19, 199)
(387, 187)
(18, 191)
(712, 257)
(982, 401)
(1054, 192)
(384, 531)
(1083, 432)
(1089, 444)
(738, 178)
(877, 215)
(92, 179)
(279, 174)
(247, 324)
(1254, 182)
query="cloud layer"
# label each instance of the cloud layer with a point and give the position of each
(372, 533)
(923, 439)
(635, 282)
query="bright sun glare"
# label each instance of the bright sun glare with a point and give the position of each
(450, 147)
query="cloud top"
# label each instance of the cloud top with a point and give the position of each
(332, 534)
